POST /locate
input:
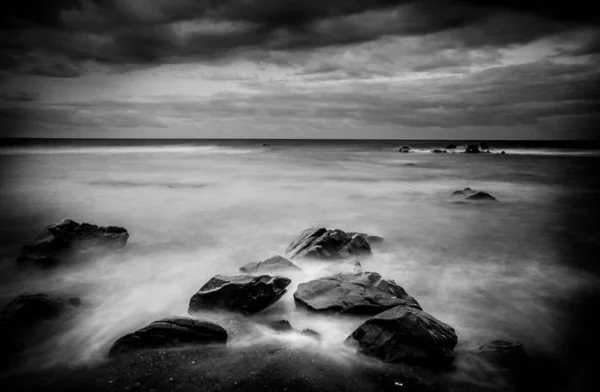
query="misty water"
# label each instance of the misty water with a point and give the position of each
(492, 271)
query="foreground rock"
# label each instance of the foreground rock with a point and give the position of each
(171, 332)
(363, 293)
(270, 265)
(240, 293)
(406, 334)
(55, 242)
(322, 244)
(30, 319)
(469, 194)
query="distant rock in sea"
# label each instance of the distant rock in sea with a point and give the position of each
(406, 334)
(503, 152)
(362, 293)
(270, 265)
(409, 164)
(469, 194)
(472, 149)
(265, 145)
(245, 294)
(439, 151)
(321, 244)
(170, 332)
(404, 149)
(56, 242)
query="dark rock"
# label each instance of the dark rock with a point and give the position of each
(439, 151)
(472, 149)
(281, 326)
(406, 334)
(240, 293)
(272, 264)
(55, 242)
(409, 164)
(171, 332)
(311, 333)
(503, 152)
(265, 145)
(371, 239)
(322, 244)
(362, 293)
(484, 146)
(503, 353)
(451, 147)
(404, 149)
(469, 194)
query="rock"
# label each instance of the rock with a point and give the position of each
(451, 147)
(30, 319)
(265, 145)
(503, 353)
(503, 152)
(281, 326)
(484, 146)
(406, 334)
(409, 164)
(472, 149)
(469, 194)
(404, 149)
(240, 293)
(371, 239)
(361, 293)
(322, 244)
(170, 332)
(272, 264)
(311, 333)
(439, 151)
(55, 242)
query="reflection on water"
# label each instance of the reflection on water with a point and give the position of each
(493, 272)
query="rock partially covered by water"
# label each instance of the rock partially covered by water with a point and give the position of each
(322, 244)
(285, 326)
(469, 194)
(363, 293)
(404, 149)
(472, 149)
(29, 319)
(439, 151)
(503, 353)
(406, 334)
(170, 332)
(239, 293)
(272, 264)
(55, 242)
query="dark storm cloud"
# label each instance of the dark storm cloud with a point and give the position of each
(154, 32)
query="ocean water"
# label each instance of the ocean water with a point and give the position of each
(525, 268)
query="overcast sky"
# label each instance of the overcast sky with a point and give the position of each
(299, 69)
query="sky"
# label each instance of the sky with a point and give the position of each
(375, 69)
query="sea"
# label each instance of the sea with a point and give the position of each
(526, 268)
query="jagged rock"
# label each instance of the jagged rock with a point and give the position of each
(404, 149)
(55, 242)
(406, 334)
(240, 293)
(371, 239)
(29, 319)
(171, 332)
(362, 293)
(272, 264)
(322, 244)
(469, 194)
(503, 353)
(439, 151)
(472, 149)
(451, 147)
(281, 326)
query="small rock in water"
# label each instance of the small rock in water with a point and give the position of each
(439, 151)
(171, 332)
(404, 149)
(311, 333)
(472, 149)
(281, 326)
(469, 194)
(239, 293)
(406, 334)
(272, 264)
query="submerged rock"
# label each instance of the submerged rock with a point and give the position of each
(469, 194)
(239, 293)
(406, 334)
(55, 242)
(472, 149)
(439, 151)
(272, 264)
(322, 244)
(503, 353)
(285, 326)
(171, 332)
(404, 149)
(361, 293)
